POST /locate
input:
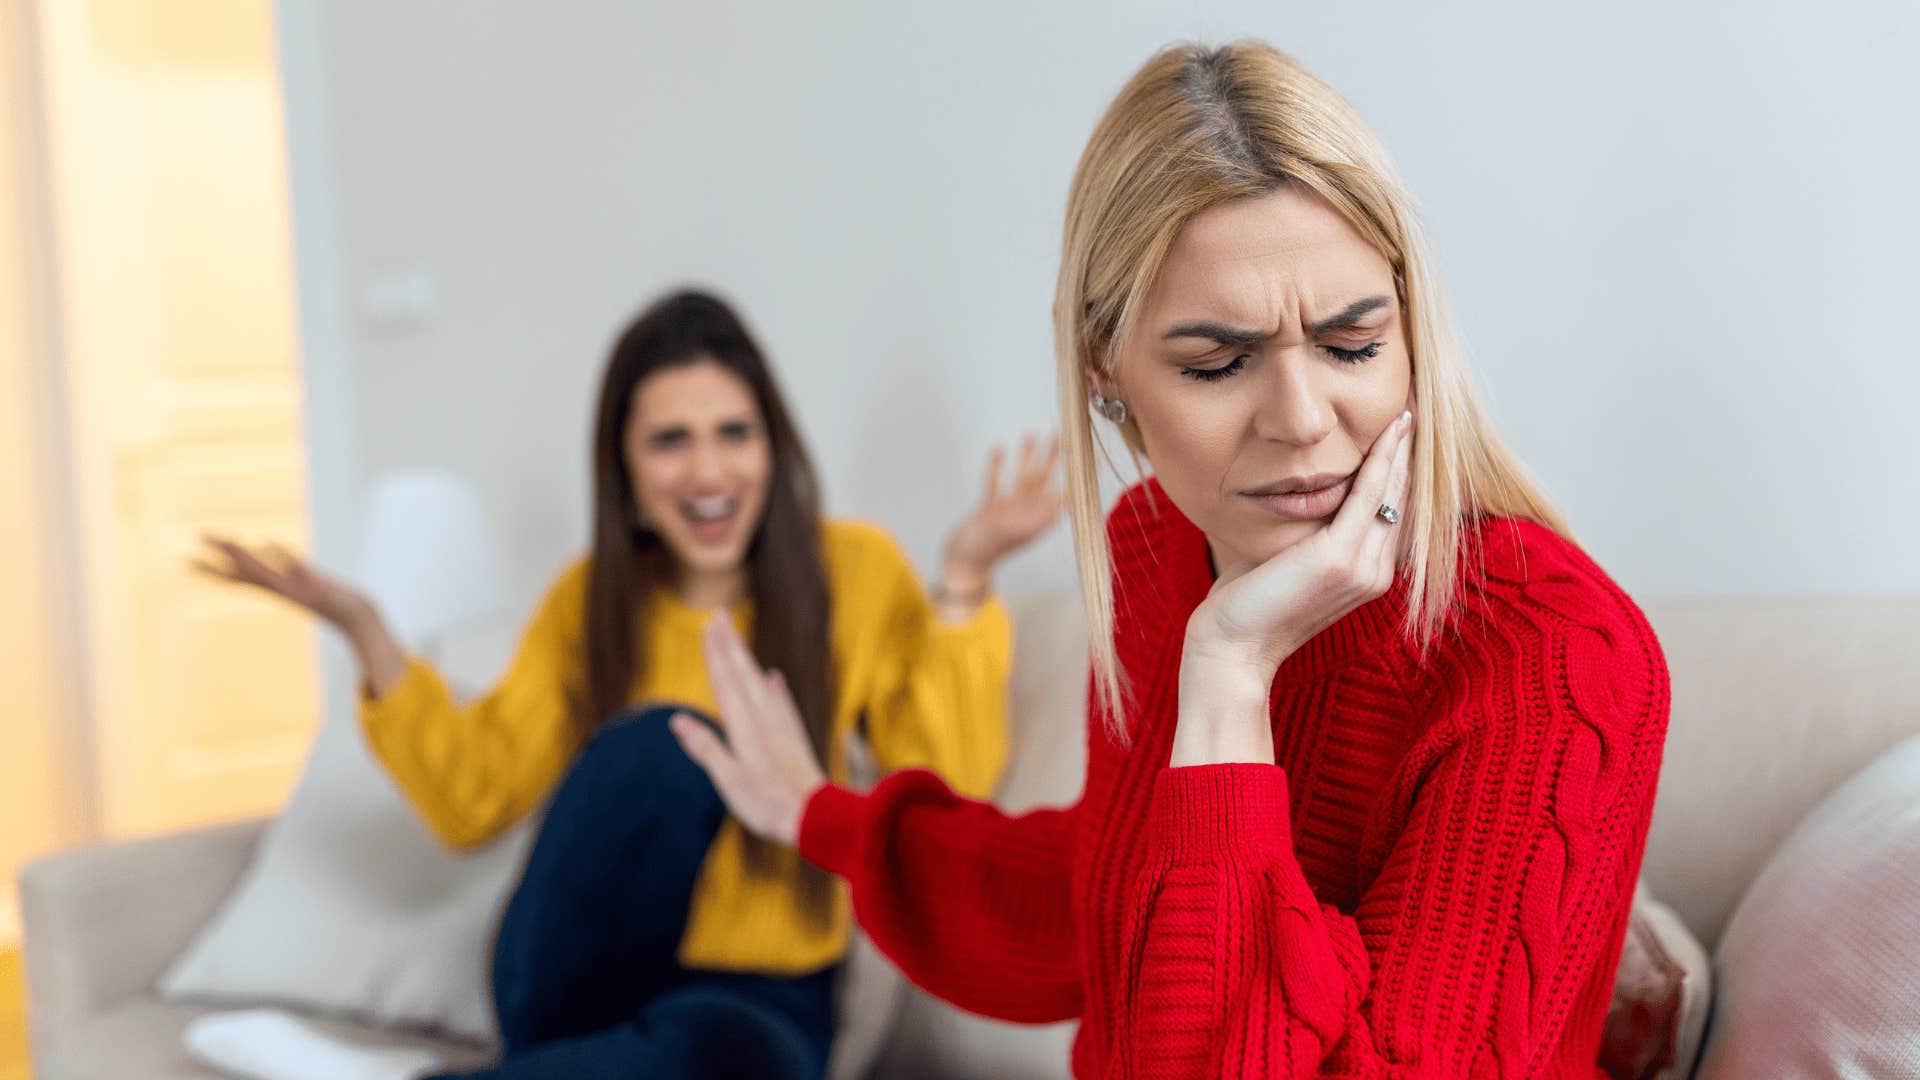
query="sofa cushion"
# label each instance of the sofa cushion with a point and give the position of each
(351, 908)
(1818, 974)
(1776, 702)
(1661, 995)
(143, 1039)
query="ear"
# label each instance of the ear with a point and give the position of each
(1096, 372)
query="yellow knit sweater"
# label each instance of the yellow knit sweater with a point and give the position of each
(930, 693)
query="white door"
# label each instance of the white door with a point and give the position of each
(166, 159)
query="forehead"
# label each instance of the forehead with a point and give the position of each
(1283, 258)
(692, 393)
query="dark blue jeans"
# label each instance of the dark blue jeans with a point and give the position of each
(586, 980)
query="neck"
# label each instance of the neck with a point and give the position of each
(711, 590)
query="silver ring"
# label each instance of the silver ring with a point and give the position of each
(1389, 513)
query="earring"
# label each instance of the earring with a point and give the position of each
(1114, 409)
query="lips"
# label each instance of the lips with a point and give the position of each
(1307, 498)
(1294, 484)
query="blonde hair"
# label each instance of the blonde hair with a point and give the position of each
(1196, 127)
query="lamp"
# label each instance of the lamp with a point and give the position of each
(428, 558)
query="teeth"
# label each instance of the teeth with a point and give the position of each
(712, 508)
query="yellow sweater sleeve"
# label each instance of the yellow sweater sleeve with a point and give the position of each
(938, 696)
(472, 770)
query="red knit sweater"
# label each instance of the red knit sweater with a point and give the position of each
(1432, 880)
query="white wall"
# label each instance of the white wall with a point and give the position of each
(1680, 242)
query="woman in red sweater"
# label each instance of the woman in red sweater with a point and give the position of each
(1373, 744)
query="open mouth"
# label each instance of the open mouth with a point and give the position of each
(711, 517)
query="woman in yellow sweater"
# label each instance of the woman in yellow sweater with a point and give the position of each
(650, 934)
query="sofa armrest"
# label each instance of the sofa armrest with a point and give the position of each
(101, 923)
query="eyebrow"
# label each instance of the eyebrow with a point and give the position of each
(680, 427)
(1233, 335)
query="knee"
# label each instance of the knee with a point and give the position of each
(727, 1036)
(636, 752)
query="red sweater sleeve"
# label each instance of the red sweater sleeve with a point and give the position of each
(971, 903)
(1497, 904)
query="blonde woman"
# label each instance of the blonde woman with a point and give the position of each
(1373, 743)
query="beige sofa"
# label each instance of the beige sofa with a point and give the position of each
(1775, 702)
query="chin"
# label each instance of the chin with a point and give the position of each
(717, 560)
(1264, 544)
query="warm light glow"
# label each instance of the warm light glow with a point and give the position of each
(168, 173)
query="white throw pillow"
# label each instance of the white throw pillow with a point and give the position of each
(352, 907)
(1818, 974)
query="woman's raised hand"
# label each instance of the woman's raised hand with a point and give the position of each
(764, 769)
(280, 572)
(1007, 518)
(1257, 615)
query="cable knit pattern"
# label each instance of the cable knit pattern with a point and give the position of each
(1432, 880)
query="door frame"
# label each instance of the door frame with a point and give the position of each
(325, 325)
(49, 738)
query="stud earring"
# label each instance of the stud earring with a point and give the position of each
(1114, 409)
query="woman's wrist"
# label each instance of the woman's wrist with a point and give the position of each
(382, 661)
(790, 829)
(962, 583)
(1224, 709)
(1223, 715)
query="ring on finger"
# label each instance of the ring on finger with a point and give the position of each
(1388, 513)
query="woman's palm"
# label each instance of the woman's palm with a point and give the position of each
(283, 574)
(1008, 519)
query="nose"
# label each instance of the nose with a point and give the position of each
(1295, 409)
(709, 464)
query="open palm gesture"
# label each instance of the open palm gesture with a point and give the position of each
(764, 768)
(284, 574)
(1008, 518)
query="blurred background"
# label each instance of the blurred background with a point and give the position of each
(258, 259)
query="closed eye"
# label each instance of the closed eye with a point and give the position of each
(1226, 370)
(1355, 356)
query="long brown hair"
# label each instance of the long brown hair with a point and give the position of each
(786, 577)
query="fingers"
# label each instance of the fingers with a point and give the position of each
(1370, 485)
(1045, 474)
(1033, 469)
(250, 567)
(1386, 540)
(213, 570)
(996, 457)
(739, 688)
(780, 698)
(703, 745)
(1037, 463)
(286, 561)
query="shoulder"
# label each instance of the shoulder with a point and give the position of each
(563, 607)
(1534, 601)
(569, 587)
(1547, 577)
(865, 565)
(848, 544)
